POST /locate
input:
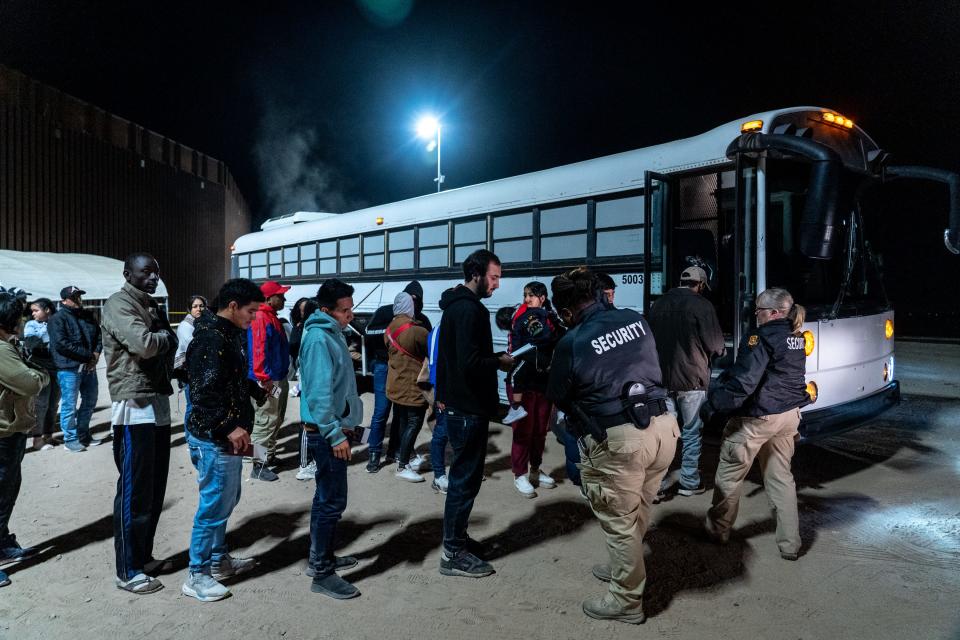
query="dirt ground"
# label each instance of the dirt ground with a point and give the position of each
(880, 519)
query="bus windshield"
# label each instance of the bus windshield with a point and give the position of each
(849, 283)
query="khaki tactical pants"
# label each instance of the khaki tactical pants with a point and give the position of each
(771, 439)
(269, 419)
(620, 478)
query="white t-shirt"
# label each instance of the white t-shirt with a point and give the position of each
(152, 410)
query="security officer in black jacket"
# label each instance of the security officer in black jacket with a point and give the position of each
(606, 377)
(763, 393)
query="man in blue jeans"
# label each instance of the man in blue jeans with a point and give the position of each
(218, 432)
(467, 393)
(687, 332)
(329, 408)
(377, 355)
(75, 345)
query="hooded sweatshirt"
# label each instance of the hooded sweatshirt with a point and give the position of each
(328, 388)
(466, 364)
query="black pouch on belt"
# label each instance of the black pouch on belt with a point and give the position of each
(635, 406)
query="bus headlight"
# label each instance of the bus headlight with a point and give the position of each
(808, 342)
(888, 328)
(812, 391)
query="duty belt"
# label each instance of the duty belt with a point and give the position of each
(656, 407)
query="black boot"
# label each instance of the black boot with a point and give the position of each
(373, 464)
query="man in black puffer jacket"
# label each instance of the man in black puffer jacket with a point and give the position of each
(75, 345)
(218, 431)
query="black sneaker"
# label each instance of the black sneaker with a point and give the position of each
(335, 587)
(373, 464)
(340, 563)
(261, 471)
(464, 564)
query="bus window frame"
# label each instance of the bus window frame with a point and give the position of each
(540, 235)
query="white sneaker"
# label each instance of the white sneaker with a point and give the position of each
(440, 484)
(544, 481)
(230, 566)
(308, 472)
(295, 391)
(416, 463)
(515, 413)
(204, 588)
(524, 487)
(409, 475)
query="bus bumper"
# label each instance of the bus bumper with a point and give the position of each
(832, 420)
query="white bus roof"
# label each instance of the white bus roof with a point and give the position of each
(590, 178)
(43, 274)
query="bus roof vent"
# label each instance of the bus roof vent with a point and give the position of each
(288, 219)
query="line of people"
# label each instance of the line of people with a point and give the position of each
(599, 365)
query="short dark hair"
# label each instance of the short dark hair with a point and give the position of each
(477, 263)
(239, 290)
(332, 290)
(311, 305)
(46, 304)
(11, 310)
(504, 318)
(131, 260)
(605, 281)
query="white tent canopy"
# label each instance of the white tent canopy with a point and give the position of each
(42, 275)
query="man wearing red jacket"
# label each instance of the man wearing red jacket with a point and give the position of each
(269, 363)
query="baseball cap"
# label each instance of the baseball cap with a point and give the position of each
(271, 288)
(69, 292)
(697, 274)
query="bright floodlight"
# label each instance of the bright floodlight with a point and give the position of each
(427, 127)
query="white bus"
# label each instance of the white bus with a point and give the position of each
(774, 199)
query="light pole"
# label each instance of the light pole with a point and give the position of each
(427, 127)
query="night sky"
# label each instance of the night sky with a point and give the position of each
(312, 104)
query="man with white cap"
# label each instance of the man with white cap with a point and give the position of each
(687, 332)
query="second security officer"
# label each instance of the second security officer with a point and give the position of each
(606, 377)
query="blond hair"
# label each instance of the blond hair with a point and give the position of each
(780, 299)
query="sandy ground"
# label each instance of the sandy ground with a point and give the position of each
(880, 519)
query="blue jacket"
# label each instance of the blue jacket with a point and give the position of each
(268, 352)
(432, 340)
(328, 387)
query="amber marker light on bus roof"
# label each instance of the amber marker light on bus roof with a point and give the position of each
(753, 125)
(812, 391)
(829, 117)
(888, 329)
(379, 220)
(808, 342)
